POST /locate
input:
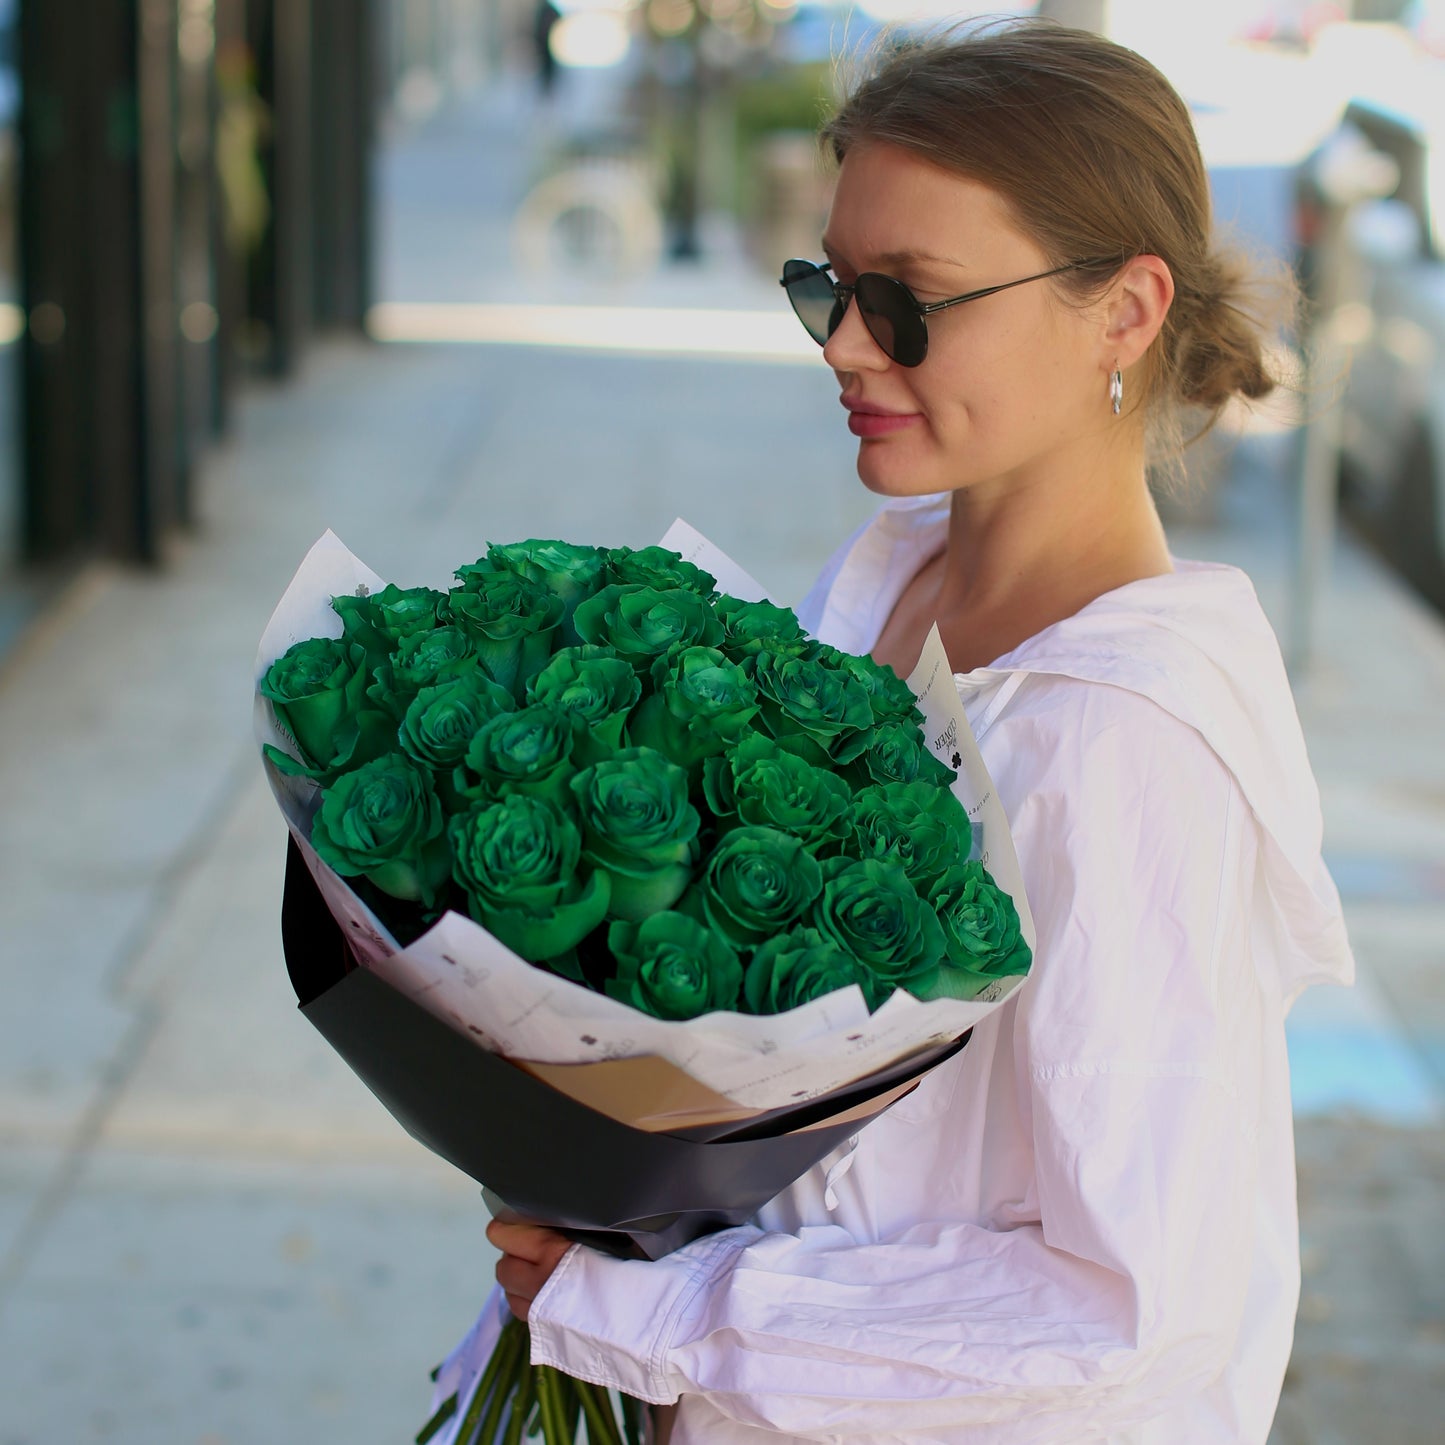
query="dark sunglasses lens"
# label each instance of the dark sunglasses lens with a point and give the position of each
(891, 318)
(811, 293)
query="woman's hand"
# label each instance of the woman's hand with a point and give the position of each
(530, 1252)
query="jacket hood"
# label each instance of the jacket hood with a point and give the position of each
(1196, 643)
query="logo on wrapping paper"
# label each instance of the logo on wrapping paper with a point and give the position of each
(948, 739)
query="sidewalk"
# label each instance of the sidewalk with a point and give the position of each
(210, 1234)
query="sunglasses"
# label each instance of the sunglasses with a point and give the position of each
(895, 317)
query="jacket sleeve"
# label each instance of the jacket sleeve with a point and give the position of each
(1119, 1290)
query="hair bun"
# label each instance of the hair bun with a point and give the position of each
(1219, 336)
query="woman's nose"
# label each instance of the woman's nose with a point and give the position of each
(851, 347)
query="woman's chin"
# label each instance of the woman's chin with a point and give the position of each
(892, 476)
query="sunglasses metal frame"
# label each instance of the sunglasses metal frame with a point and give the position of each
(844, 292)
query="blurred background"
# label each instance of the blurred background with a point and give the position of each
(439, 272)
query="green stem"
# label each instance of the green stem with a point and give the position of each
(445, 1411)
(571, 1406)
(521, 1405)
(546, 1407)
(557, 1410)
(466, 1430)
(506, 1385)
(499, 1371)
(632, 1419)
(601, 1422)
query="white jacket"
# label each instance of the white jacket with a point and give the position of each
(1083, 1228)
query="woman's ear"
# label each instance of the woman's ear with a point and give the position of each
(1137, 304)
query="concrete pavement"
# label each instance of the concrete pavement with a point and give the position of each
(210, 1234)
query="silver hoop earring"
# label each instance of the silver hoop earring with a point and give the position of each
(1116, 390)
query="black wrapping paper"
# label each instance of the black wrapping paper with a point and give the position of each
(547, 1156)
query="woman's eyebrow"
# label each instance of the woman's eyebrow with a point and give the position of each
(920, 258)
(908, 257)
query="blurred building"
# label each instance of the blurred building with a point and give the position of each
(183, 199)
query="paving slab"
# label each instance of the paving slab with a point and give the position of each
(1369, 1360)
(224, 1301)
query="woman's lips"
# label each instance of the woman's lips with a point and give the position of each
(863, 422)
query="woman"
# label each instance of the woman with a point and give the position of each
(1083, 1227)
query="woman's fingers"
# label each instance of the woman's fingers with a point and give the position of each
(529, 1241)
(521, 1282)
(530, 1252)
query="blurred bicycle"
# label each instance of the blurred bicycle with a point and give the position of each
(596, 215)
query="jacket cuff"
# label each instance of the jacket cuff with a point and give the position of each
(612, 1321)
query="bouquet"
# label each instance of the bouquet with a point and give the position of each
(584, 846)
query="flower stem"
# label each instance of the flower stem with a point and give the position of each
(507, 1384)
(546, 1408)
(601, 1422)
(540, 1397)
(632, 1419)
(522, 1403)
(567, 1389)
(496, 1378)
(445, 1411)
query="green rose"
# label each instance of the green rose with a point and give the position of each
(758, 782)
(922, 826)
(639, 827)
(790, 969)
(982, 936)
(568, 571)
(511, 620)
(317, 690)
(438, 727)
(752, 627)
(819, 712)
(527, 751)
(658, 568)
(313, 686)
(872, 911)
(889, 696)
(425, 659)
(642, 624)
(670, 966)
(383, 822)
(896, 753)
(756, 882)
(517, 861)
(598, 689)
(378, 621)
(702, 702)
